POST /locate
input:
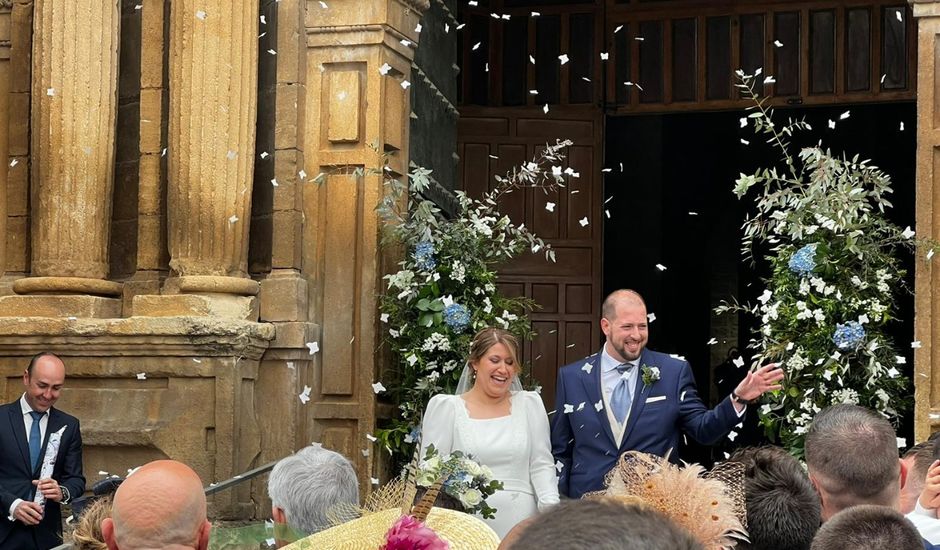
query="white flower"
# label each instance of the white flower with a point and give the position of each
(472, 467)
(471, 498)
(403, 279)
(458, 272)
(804, 286)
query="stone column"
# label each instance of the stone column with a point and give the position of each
(927, 276)
(213, 103)
(5, 7)
(74, 106)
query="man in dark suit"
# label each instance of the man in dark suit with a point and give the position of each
(627, 397)
(25, 429)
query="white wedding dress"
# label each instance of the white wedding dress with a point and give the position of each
(517, 448)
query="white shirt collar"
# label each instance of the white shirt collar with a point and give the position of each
(24, 406)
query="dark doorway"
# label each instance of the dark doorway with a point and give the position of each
(670, 203)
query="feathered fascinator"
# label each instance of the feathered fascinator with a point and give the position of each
(708, 504)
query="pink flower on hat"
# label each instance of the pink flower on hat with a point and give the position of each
(410, 534)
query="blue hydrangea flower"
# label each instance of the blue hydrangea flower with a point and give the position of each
(424, 256)
(457, 317)
(849, 335)
(803, 260)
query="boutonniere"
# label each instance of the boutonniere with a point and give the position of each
(650, 375)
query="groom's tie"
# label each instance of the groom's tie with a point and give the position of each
(620, 398)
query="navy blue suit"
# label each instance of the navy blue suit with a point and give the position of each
(583, 442)
(16, 477)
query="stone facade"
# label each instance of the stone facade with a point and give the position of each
(164, 233)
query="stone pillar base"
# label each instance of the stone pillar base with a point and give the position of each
(244, 308)
(197, 284)
(94, 307)
(67, 285)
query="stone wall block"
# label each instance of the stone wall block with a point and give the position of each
(283, 299)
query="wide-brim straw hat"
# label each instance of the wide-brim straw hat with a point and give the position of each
(462, 531)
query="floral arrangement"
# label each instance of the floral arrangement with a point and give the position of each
(409, 533)
(649, 374)
(819, 221)
(465, 480)
(445, 287)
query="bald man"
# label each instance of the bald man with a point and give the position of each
(161, 505)
(25, 428)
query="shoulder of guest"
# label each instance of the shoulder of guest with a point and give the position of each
(576, 365)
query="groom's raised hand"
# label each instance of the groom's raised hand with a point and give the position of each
(764, 379)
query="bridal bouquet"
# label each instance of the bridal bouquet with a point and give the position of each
(465, 480)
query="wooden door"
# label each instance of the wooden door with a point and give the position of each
(490, 142)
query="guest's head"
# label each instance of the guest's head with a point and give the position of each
(161, 505)
(868, 527)
(782, 506)
(306, 486)
(43, 380)
(916, 461)
(852, 457)
(494, 358)
(87, 533)
(604, 524)
(624, 323)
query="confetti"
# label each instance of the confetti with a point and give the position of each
(550, 206)
(532, 60)
(323, 5)
(384, 69)
(14, 162)
(908, 233)
(732, 435)
(371, 438)
(559, 466)
(404, 42)
(897, 14)
(313, 347)
(141, 375)
(711, 342)
(263, 20)
(405, 84)
(599, 406)
(661, 267)
(233, 219)
(533, 92)
(302, 175)
(374, 480)
(563, 58)
(778, 43)
(581, 406)
(863, 318)
(618, 29)
(568, 409)
(535, 14)
(883, 77)
(274, 182)
(231, 155)
(418, 28)
(476, 46)
(545, 109)
(769, 80)
(832, 124)
(378, 388)
(290, 365)
(902, 442)
(738, 362)
(583, 221)
(50, 92)
(264, 154)
(930, 254)
(682, 396)
(639, 38)
(844, 115)
(900, 359)
(605, 56)
(201, 15)
(902, 127)
(743, 122)
(196, 360)
(587, 367)
(745, 142)
(893, 372)
(915, 344)
(384, 317)
(305, 395)
(272, 52)
(650, 317)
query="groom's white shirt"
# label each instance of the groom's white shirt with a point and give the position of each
(609, 379)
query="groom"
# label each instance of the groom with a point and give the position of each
(629, 398)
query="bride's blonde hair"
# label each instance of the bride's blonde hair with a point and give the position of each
(489, 337)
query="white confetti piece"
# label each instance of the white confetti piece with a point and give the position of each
(290, 365)
(14, 162)
(661, 267)
(371, 438)
(599, 406)
(765, 297)
(378, 387)
(845, 115)
(732, 435)
(563, 58)
(908, 233)
(745, 142)
(568, 409)
(584, 221)
(930, 254)
(384, 317)
(384, 69)
(313, 347)
(893, 372)
(897, 14)
(197, 360)
(141, 375)
(682, 396)
(738, 362)
(902, 442)
(231, 155)
(264, 154)
(743, 122)
(587, 367)
(650, 317)
(272, 51)
(418, 28)
(233, 219)
(201, 15)
(323, 5)
(915, 344)
(863, 319)
(476, 46)
(778, 43)
(305, 395)
(550, 206)
(618, 29)
(533, 92)
(832, 124)
(559, 466)
(900, 359)
(902, 127)
(374, 480)
(711, 342)
(581, 406)
(405, 84)
(50, 92)
(274, 182)
(605, 56)
(545, 109)
(365, 452)
(264, 20)
(532, 60)
(769, 80)
(412, 359)
(405, 42)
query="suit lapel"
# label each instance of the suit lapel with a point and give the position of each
(592, 388)
(640, 393)
(19, 431)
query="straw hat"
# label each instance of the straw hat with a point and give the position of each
(462, 531)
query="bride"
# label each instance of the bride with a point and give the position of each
(502, 426)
